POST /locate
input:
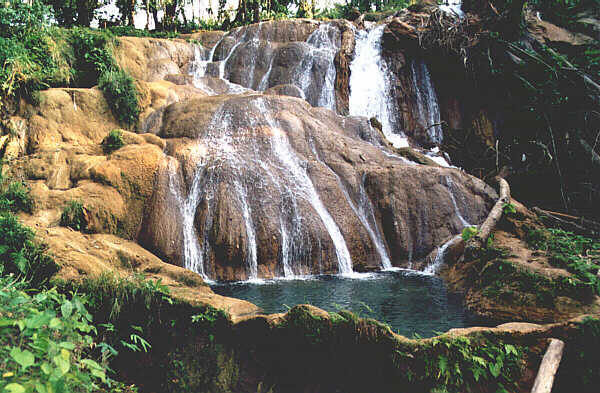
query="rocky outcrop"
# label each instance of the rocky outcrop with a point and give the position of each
(151, 59)
(265, 172)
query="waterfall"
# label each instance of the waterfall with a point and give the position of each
(364, 211)
(251, 261)
(234, 150)
(427, 103)
(304, 187)
(322, 48)
(439, 257)
(314, 74)
(462, 220)
(370, 90)
(192, 256)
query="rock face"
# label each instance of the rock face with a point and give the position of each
(269, 186)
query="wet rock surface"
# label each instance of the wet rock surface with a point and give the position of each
(272, 178)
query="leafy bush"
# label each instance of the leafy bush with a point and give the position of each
(122, 96)
(469, 232)
(17, 18)
(113, 141)
(47, 343)
(73, 216)
(21, 255)
(508, 209)
(93, 55)
(15, 197)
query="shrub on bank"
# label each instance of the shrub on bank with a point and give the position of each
(73, 216)
(113, 141)
(122, 96)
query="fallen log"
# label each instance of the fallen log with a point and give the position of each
(479, 240)
(577, 225)
(545, 377)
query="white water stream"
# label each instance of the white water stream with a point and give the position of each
(370, 90)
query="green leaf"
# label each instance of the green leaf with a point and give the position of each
(511, 349)
(40, 388)
(14, 388)
(6, 322)
(495, 369)
(46, 369)
(55, 323)
(66, 309)
(442, 365)
(67, 345)
(63, 364)
(24, 358)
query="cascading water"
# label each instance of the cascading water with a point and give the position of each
(252, 260)
(453, 7)
(305, 188)
(370, 91)
(243, 158)
(323, 48)
(192, 255)
(314, 74)
(364, 211)
(450, 185)
(427, 103)
(439, 257)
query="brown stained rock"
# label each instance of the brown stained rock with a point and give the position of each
(83, 256)
(285, 90)
(151, 59)
(59, 172)
(550, 34)
(68, 117)
(155, 96)
(207, 39)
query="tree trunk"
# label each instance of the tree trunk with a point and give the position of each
(147, 15)
(83, 13)
(478, 241)
(545, 378)
(131, 12)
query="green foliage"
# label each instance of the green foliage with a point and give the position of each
(455, 363)
(579, 370)
(469, 232)
(73, 216)
(47, 342)
(209, 316)
(93, 55)
(577, 254)
(113, 141)
(18, 18)
(69, 13)
(122, 96)
(20, 254)
(15, 197)
(109, 294)
(508, 209)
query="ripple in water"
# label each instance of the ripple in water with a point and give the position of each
(409, 302)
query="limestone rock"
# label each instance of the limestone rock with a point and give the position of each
(265, 161)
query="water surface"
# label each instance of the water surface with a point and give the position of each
(410, 302)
